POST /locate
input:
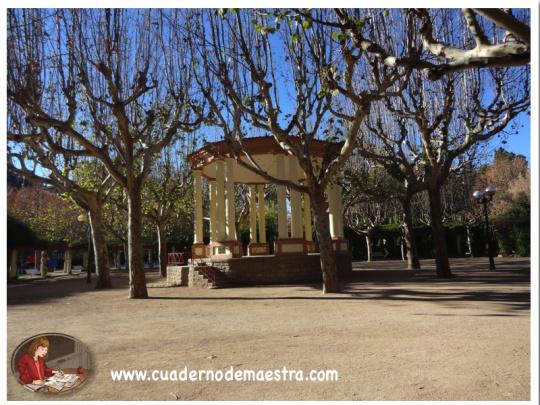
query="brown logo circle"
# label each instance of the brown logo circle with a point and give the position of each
(51, 362)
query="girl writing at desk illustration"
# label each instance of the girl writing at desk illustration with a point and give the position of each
(32, 367)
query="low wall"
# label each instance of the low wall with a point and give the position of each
(177, 275)
(286, 269)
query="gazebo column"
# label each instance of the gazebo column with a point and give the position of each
(339, 211)
(257, 246)
(230, 212)
(262, 219)
(227, 245)
(198, 248)
(252, 214)
(308, 230)
(224, 244)
(335, 215)
(331, 193)
(213, 211)
(220, 200)
(296, 244)
(296, 207)
(281, 199)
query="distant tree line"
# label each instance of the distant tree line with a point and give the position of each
(375, 220)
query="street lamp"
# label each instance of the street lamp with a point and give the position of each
(485, 197)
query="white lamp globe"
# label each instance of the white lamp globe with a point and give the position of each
(490, 190)
(478, 195)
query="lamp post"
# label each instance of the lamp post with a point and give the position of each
(485, 197)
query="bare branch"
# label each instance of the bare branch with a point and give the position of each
(508, 22)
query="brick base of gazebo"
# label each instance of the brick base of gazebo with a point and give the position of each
(264, 270)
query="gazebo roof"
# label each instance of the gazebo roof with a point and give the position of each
(263, 150)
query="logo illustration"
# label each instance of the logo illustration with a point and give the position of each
(51, 362)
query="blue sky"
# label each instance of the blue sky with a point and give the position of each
(520, 143)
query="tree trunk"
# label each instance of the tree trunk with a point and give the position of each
(126, 259)
(413, 263)
(162, 249)
(319, 207)
(368, 246)
(458, 245)
(42, 259)
(67, 261)
(89, 257)
(12, 275)
(237, 229)
(101, 255)
(70, 262)
(137, 279)
(441, 255)
(469, 241)
(115, 259)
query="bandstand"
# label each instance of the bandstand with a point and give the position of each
(294, 244)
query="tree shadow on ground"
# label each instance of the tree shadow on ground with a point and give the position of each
(40, 290)
(390, 277)
(513, 302)
(508, 287)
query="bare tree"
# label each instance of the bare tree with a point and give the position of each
(405, 38)
(109, 81)
(433, 129)
(163, 193)
(480, 38)
(40, 153)
(254, 60)
(368, 182)
(115, 218)
(370, 198)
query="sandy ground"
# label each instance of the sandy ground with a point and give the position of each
(391, 335)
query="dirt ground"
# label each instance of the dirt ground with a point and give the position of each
(391, 335)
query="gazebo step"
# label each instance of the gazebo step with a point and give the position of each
(211, 277)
